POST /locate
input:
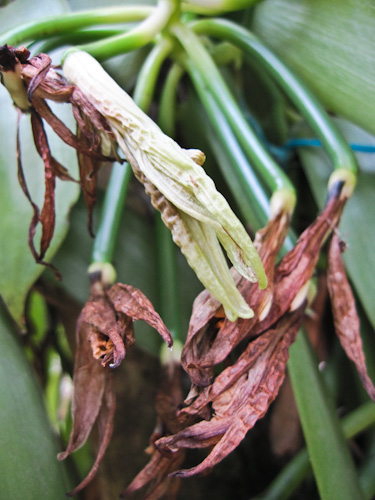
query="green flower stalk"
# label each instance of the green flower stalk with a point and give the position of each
(197, 214)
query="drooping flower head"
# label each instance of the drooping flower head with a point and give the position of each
(197, 214)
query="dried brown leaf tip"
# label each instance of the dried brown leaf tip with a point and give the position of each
(155, 480)
(104, 333)
(31, 82)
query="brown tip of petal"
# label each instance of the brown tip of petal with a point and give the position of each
(62, 455)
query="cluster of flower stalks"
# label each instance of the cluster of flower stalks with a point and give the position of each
(240, 330)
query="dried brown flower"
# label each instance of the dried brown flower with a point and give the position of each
(103, 335)
(222, 407)
(31, 82)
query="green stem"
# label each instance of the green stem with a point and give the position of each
(168, 99)
(273, 176)
(149, 73)
(210, 7)
(330, 458)
(112, 211)
(245, 187)
(332, 139)
(66, 23)
(166, 256)
(76, 38)
(167, 278)
(141, 35)
(293, 474)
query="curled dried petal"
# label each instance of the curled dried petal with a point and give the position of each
(345, 314)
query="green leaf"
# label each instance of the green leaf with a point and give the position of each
(28, 463)
(330, 457)
(23, 11)
(358, 224)
(331, 45)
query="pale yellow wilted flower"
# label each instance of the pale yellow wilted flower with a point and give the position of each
(197, 214)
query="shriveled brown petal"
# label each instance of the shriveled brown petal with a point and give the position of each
(47, 217)
(133, 303)
(155, 474)
(240, 396)
(87, 167)
(105, 427)
(63, 131)
(22, 182)
(89, 387)
(345, 315)
(297, 266)
(47, 84)
(99, 313)
(44, 65)
(203, 350)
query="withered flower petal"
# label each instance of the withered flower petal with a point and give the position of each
(345, 314)
(239, 396)
(104, 333)
(30, 82)
(90, 380)
(133, 303)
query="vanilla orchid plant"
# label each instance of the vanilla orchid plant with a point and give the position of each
(243, 324)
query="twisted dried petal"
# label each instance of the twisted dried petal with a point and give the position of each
(345, 315)
(89, 387)
(239, 396)
(105, 422)
(47, 217)
(297, 266)
(133, 303)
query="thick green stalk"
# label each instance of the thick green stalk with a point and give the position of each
(77, 38)
(169, 306)
(210, 7)
(198, 56)
(332, 464)
(105, 241)
(168, 99)
(149, 73)
(248, 192)
(332, 139)
(66, 23)
(166, 251)
(141, 35)
(293, 474)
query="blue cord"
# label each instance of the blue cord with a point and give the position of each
(298, 143)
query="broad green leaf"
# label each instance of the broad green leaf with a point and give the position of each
(28, 463)
(324, 437)
(358, 224)
(331, 45)
(23, 11)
